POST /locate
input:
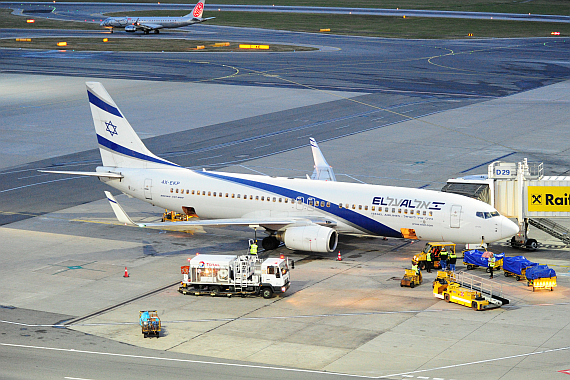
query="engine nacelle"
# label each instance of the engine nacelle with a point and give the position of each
(309, 238)
(130, 28)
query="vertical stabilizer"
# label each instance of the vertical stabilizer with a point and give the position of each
(198, 10)
(118, 142)
(323, 171)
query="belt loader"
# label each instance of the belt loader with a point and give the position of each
(468, 290)
(240, 275)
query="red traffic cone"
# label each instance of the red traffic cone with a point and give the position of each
(339, 258)
(126, 273)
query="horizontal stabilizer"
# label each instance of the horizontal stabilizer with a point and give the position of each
(119, 212)
(89, 174)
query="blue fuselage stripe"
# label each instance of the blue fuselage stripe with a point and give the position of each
(360, 221)
(129, 152)
(104, 106)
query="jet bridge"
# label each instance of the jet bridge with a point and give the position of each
(520, 190)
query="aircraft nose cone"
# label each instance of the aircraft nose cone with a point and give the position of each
(509, 228)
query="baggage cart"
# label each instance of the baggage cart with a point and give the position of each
(541, 277)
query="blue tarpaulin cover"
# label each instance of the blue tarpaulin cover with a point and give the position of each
(474, 257)
(516, 264)
(144, 317)
(540, 271)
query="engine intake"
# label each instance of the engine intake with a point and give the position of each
(309, 238)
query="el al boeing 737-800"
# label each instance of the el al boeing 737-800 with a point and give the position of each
(304, 214)
(148, 24)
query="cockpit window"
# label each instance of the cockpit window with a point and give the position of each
(487, 215)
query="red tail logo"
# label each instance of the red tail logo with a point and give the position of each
(198, 10)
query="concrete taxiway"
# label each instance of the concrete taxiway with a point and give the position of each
(349, 317)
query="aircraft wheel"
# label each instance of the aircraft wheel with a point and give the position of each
(531, 245)
(156, 31)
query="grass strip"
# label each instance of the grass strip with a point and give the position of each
(139, 44)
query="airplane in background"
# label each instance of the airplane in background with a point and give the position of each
(304, 214)
(148, 24)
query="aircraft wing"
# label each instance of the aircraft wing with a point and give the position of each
(148, 26)
(269, 223)
(90, 174)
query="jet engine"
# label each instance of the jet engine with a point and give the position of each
(311, 238)
(130, 28)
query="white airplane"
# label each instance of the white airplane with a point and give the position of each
(148, 24)
(304, 214)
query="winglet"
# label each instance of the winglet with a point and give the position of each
(119, 212)
(323, 171)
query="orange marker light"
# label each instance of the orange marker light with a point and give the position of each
(30, 21)
(105, 40)
(61, 43)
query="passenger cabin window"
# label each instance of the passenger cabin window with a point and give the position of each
(340, 205)
(193, 191)
(353, 206)
(209, 193)
(214, 193)
(280, 200)
(172, 190)
(262, 198)
(366, 207)
(328, 204)
(256, 197)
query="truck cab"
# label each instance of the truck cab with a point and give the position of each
(275, 273)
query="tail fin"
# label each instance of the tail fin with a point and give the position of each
(198, 10)
(118, 142)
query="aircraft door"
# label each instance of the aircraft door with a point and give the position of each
(310, 203)
(455, 217)
(300, 203)
(147, 188)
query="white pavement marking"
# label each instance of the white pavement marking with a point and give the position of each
(39, 183)
(185, 360)
(479, 362)
(75, 378)
(279, 368)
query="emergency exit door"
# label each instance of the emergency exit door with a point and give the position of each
(147, 188)
(455, 219)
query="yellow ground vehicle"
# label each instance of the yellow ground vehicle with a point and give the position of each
(468, 290)
(172, 216)
(150, 323)
(411, 278)
(435, 248)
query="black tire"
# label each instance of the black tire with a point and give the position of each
(422, 265)
(401, 284)
(514, 242)
(474, 305)
(531, 245)
(412, 285)
(446, 298)
(266, 293)
(214, 290)
(506, 274)
(518, 278)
